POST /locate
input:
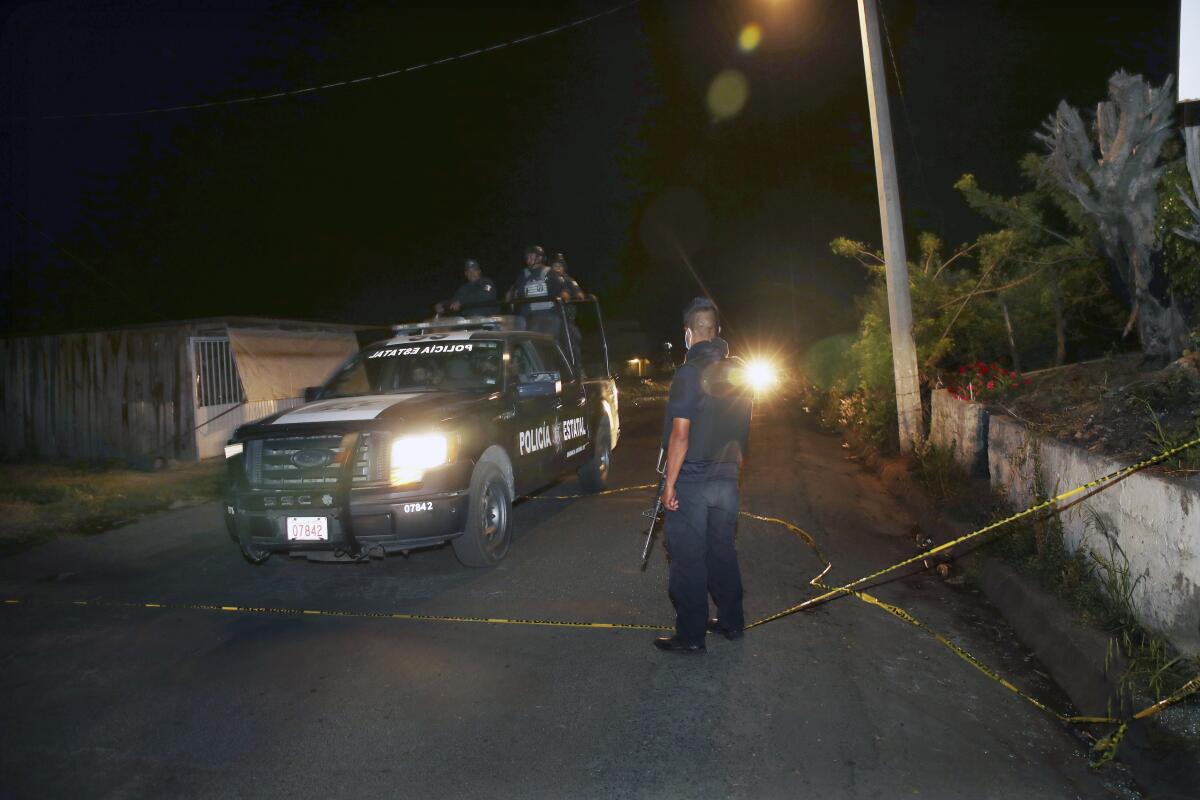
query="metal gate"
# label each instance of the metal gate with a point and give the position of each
(215, 372)
(220, 399)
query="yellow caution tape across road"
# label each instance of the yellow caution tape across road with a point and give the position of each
(308, 612)
(1124, 472)
(1105, 748)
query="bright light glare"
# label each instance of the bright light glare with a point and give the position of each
(761, 375)
(727, 94)
(413, 455)
(749, 38)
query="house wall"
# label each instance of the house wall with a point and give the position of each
(212, 436)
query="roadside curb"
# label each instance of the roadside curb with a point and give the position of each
(1076, 655)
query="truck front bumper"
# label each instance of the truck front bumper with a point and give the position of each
(383, 520)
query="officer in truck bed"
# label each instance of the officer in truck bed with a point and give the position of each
(538, 281)
(476, 297)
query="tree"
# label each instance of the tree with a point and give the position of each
(1051, 258)
(1114, 179)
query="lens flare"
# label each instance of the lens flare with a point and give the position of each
(727, 94)
(749, 38)
(761, 375)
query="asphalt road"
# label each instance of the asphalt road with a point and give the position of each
(844, 701)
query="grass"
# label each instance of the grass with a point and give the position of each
(1100, 587)
(40, 502)
(1162, 439)
(937, 472)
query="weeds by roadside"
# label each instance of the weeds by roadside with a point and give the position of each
(1160, 439)
(942, 478)
(39, 502)
(1100, 587)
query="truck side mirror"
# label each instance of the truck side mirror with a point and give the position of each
(312, 393)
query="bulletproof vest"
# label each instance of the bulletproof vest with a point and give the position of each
(721, 429)
(535, 286)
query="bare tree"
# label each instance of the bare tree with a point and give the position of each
(1114, 179)
(1191, 141)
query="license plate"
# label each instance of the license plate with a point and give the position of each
(307, 529)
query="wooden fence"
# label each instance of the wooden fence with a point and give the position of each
(108, 394)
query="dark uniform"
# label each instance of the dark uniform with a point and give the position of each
(700, 534)
(535, 282)
(478, 297)
(574, 292)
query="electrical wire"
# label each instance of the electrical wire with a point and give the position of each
(337, 84)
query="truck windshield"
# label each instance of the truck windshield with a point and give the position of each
(423, 366)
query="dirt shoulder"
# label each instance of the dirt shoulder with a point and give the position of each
(40, 502)
(1114, 406)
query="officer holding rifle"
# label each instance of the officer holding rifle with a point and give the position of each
(705, 437)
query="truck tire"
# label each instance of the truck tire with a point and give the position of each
(253, 553)
(488, 531)
(593, 476)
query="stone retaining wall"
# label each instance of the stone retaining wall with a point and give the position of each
(1149, 521)
(962, 428)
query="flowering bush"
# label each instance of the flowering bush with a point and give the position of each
(981, 381)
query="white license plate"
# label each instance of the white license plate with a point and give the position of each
(307, 529)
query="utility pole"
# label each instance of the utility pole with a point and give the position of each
(904, 351)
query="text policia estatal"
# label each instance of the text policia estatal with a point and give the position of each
(421, 351)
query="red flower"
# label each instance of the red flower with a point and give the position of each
(962, 369)
(991, 384)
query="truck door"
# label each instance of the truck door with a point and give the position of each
(571, 410)
(535, 393)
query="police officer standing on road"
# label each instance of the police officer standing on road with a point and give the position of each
(706, 432)
(535, 281)
(476, 296)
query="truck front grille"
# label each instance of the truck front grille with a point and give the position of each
(309, 461)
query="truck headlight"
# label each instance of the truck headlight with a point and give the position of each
(413, 455)
(232, 450)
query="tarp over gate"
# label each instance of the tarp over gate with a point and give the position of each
(278, 364)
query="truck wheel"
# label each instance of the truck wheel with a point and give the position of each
(488, 531)
(593, 476)
(253, 553)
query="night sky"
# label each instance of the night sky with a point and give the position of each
(358, 203)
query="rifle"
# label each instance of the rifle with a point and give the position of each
(661, 469)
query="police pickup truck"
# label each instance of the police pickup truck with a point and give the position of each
(419, 440)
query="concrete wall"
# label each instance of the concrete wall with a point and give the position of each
(962, 428)
(1152, 519)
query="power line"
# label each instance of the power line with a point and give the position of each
(349, 82)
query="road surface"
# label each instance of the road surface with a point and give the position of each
(841, 702)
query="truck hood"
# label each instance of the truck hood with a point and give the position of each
(388, 408)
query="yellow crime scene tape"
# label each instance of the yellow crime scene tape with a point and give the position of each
(1111, 477)
(308, 612)
(1105, 748)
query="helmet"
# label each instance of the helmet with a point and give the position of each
(471, 263)
(535, 248)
